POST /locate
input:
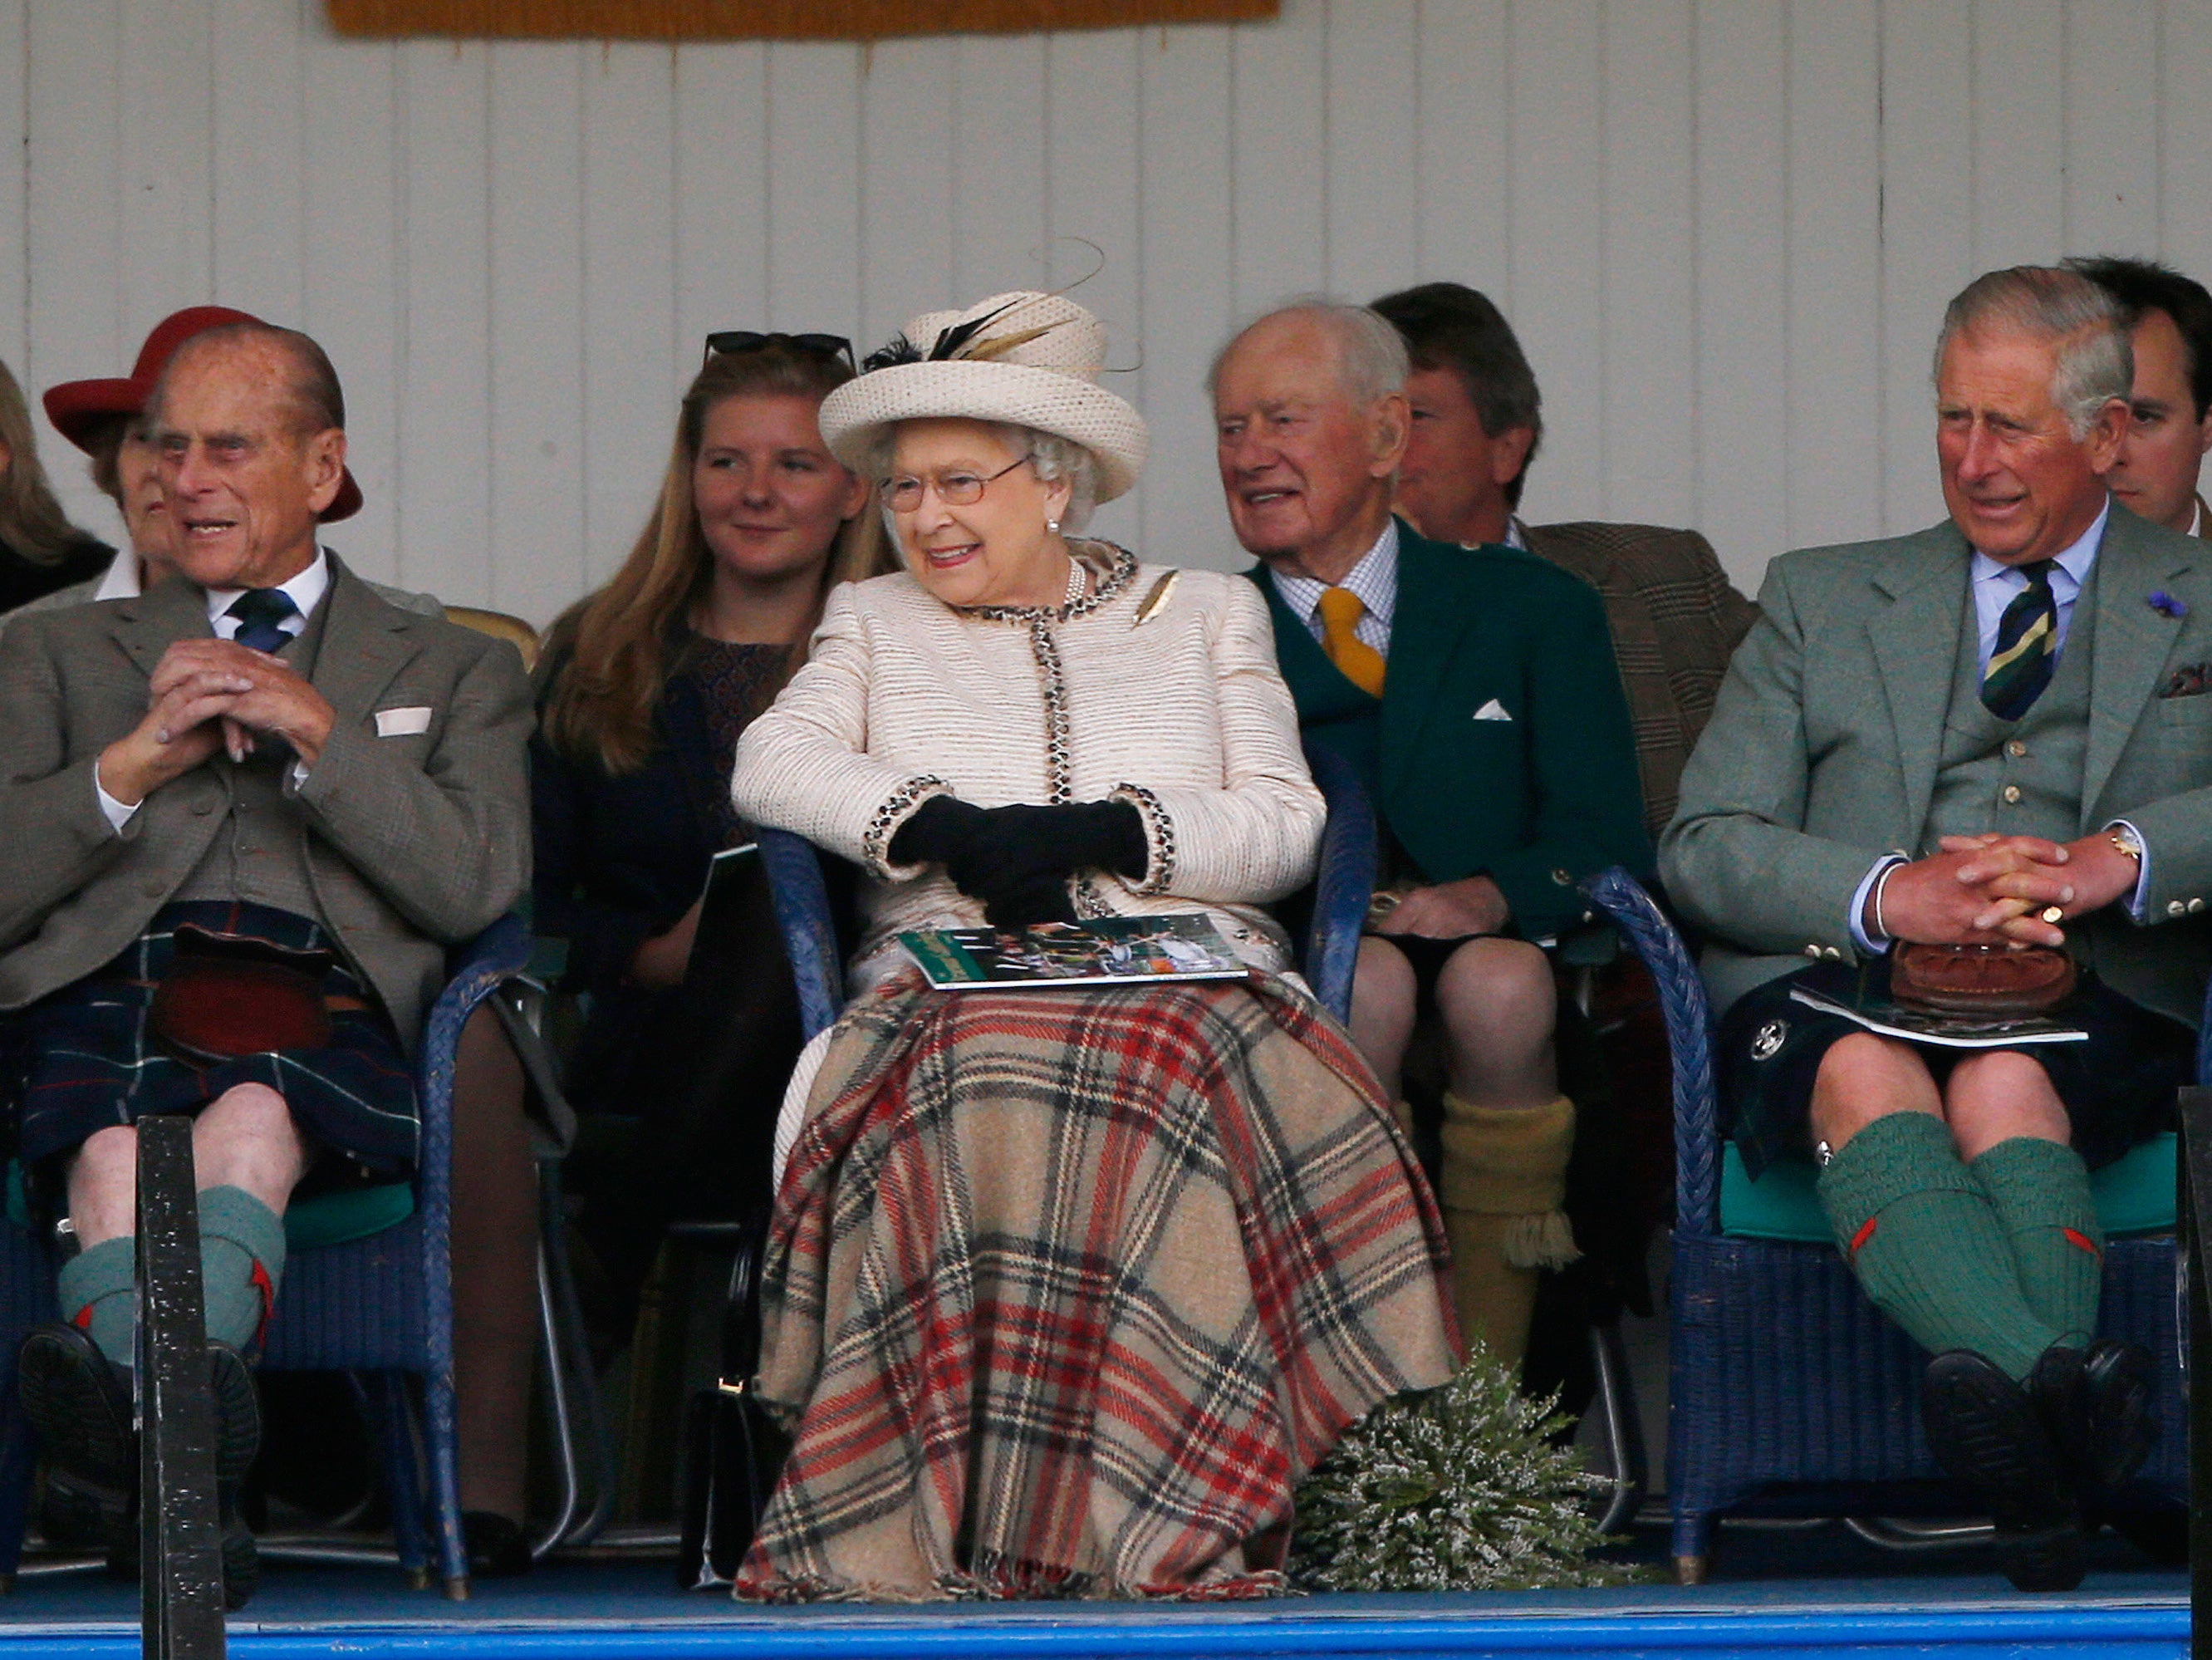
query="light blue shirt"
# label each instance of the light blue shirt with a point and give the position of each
(1374, 579)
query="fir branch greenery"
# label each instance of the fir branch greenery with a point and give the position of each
(1454, 1489)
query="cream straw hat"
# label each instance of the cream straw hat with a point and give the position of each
(1030, 359)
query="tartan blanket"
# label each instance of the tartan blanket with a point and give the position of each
(1065, 1290)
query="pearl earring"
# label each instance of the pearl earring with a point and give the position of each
(1051, 527)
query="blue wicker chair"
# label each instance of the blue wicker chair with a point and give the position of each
(1790, 1394)
(379, 1304)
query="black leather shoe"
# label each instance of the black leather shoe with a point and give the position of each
(237, 1440)
(496, 1546)
(80, 1404)
(1985, 1430)
(2100, 1408)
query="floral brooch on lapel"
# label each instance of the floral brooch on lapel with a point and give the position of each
(2167, 605)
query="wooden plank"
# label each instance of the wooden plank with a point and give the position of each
(349, 299)
(1742, 311)
(1834, 361)
(2184, 136)
(814, 187)
(666, 20)
(259, 189)
(630, 367)
(2112, 127)
(1188, 303)
(1092, 104)
(537, 432)
(73, 213)
(2020, 127)
(445, 540)
(1650, 373)
(1373, 101)
(168, 116)
(722, 192)
(907, 221)
(998, 170)
(1463, 222)
(1927, 233)
(1279, 183)
(1557, 294)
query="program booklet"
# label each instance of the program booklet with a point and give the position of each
(1958, 1031)
(1112, 950)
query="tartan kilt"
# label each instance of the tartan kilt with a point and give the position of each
(1066, 1289)
(83, 1060)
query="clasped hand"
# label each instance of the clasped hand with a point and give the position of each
(207, 695)
(1017, 859)
(1995, 889)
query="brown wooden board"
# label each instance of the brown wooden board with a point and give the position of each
(765, 20)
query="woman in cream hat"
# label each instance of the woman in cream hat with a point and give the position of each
(1066, 1287)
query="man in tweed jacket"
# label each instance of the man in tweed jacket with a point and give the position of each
(1991, 732)
(1477, 422)
(264, 750)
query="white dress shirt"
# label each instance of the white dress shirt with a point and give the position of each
(304, 591)
(1374, 579)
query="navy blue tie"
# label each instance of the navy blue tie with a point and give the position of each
(259, 611)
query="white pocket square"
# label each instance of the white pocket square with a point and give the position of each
(1493, 710)
(402, 723)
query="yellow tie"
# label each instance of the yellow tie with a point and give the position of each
(1355, 660)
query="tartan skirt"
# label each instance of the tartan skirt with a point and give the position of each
(1066, 1289)
(84, 1060)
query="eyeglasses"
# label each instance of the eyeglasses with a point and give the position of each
(958, 489)
(729, 343)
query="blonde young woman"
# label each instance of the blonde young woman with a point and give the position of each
(647, 685)
(1064, 1288)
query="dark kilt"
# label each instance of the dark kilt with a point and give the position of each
(2117, 1087)
(82, 1060)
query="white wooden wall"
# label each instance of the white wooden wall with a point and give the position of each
(1724, 229)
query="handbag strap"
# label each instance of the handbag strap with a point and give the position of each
(741, 1314)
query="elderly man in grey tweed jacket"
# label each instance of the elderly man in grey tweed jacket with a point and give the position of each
(260, 770)
(1990, 734)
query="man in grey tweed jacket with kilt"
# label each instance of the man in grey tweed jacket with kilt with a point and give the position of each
(1992, 732)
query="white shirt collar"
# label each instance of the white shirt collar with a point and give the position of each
(2075, 562)
(305, 589)
(120, 580)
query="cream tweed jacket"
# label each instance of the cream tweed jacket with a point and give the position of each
(1183, 713)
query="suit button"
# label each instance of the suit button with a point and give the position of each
(155, 887)
(2011, 794)
(201, 809)
(2195, 905)
(1833, 954)
(2015, 749)
(1813, 951)
(1563, 878)
(2175, 908)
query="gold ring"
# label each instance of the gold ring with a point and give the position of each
(2054, 913)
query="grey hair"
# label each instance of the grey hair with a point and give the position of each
(2094, 362)
(1053, 457)
(1371, 354)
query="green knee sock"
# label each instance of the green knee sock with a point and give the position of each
(94, 1289)
(241, 1261)
(2040, 1190)
(1925, 1241)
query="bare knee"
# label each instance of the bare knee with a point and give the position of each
(1382, 1008)
(1998, 1094)
(1863, 1078)
(103, 1185)
(1500, 1008)
(246, 1138)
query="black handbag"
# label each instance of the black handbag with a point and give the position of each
(733, 1450)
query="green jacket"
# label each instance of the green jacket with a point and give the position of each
(1821, 754)
(1537, 800)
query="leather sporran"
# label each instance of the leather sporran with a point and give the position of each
(1990, 982)
(224, 995)
(733, 1450)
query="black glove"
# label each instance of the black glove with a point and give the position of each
(936, 831)
(1017, 860)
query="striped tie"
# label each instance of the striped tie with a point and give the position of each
(1356, 660)
(2027, 640)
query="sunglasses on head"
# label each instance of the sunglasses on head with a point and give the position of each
(729, 342)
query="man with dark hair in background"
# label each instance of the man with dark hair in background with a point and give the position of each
(2169, 408)
(1476, 424)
